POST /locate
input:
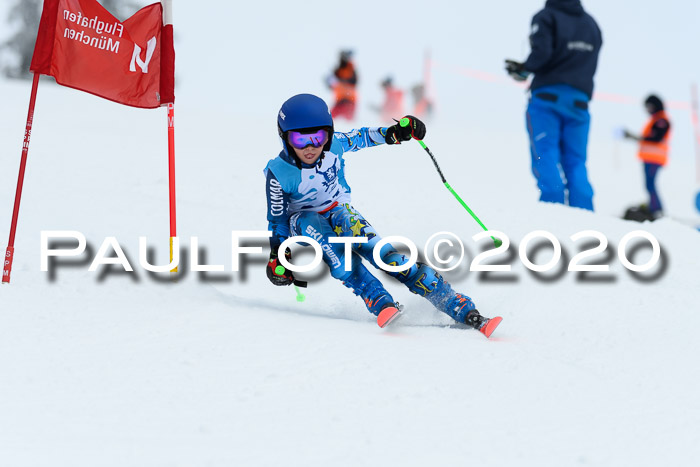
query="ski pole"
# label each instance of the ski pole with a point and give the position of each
(300, 296)
(496, 241)
(279, 270)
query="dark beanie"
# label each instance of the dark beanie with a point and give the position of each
(655, 102)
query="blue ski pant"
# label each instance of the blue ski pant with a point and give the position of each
(558, 122)
(650, 171)
(345, 221)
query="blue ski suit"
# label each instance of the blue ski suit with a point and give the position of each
(314, 201)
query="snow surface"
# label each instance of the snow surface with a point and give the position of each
(130, 369)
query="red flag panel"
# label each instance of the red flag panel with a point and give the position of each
(84, 47)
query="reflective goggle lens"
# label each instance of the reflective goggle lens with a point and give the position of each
(301, 140)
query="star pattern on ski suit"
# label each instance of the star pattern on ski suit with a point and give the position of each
(338, 230)
(357, 228)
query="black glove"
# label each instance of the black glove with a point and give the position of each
(274, 268)
(629, 135)
(516, 70)
(405, 129)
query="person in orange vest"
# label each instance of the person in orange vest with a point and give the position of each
(343, 82)
(653, 152)
(393, 101)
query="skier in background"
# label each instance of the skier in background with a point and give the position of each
(343, 82)
(307, 194)
(653, 152)
(565, 42)
(392, 106)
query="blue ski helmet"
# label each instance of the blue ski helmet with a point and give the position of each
(304, 112)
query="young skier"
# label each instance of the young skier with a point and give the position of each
(307, 194)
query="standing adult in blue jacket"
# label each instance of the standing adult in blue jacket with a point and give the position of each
(565, 42)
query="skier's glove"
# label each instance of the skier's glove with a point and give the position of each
(405, 129)
(278, 274)
(516, 70)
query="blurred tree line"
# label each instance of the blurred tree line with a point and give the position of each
(23, 18)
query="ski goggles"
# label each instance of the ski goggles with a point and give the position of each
(300, 140)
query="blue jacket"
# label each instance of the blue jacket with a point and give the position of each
(316, 187)
(565, 42)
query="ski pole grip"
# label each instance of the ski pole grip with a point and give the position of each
(280, 270)
(404, 122)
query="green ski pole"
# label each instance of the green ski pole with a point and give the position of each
(279, 270)
(496, 241)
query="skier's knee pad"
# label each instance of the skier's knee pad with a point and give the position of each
(394, 258)
(424, 280)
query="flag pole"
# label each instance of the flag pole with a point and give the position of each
(168, 20)
(9, 253)
(171, 181)
(696, 127)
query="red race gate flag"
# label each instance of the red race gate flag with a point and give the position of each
(84, 47)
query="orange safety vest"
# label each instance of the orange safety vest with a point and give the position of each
(346, 72)
(344, 92)
(652, 152)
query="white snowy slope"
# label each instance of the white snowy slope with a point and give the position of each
(130, 369)
(102, 368)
